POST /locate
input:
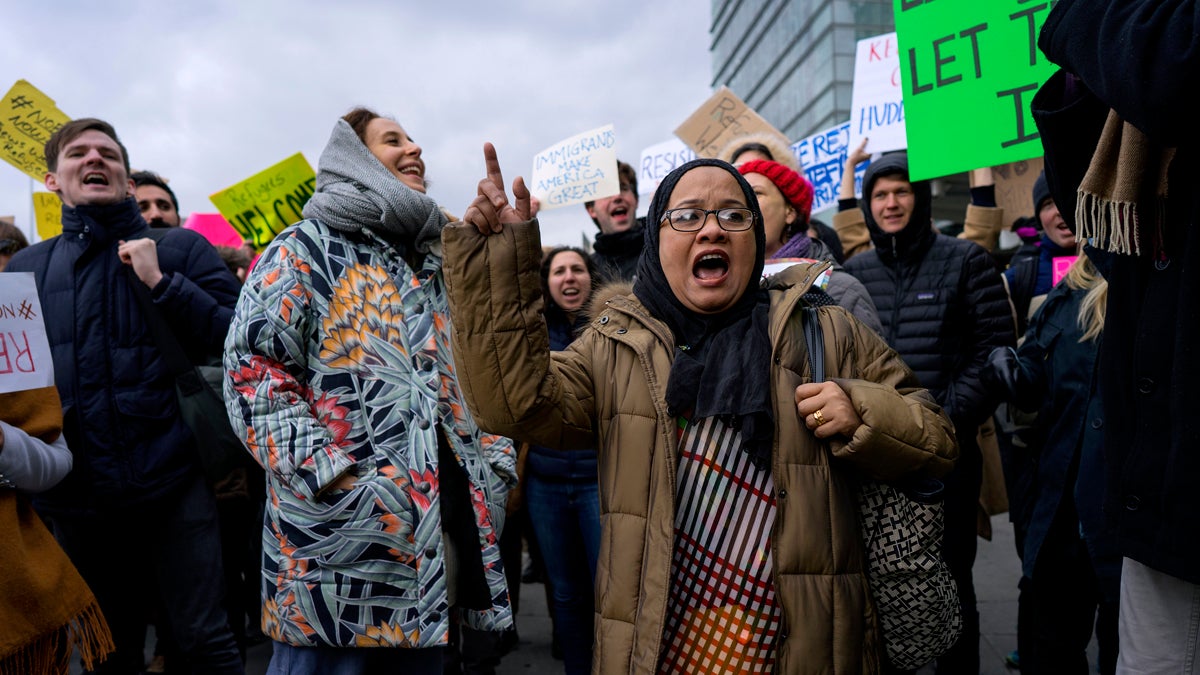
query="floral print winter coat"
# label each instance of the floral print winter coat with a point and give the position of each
(338, 360)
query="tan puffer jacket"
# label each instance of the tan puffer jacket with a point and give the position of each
(607, 391)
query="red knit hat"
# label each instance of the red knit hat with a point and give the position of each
(795, 188)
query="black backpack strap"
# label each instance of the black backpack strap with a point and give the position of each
(814, 339)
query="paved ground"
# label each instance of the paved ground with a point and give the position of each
(996, 573)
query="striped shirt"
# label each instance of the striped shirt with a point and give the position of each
(722, 616)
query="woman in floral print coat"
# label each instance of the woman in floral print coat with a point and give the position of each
(384, 500)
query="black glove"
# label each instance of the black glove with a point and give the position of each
(999, 374)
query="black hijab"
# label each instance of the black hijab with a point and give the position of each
(722, 361)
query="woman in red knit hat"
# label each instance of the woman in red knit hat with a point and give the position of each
(786, 198)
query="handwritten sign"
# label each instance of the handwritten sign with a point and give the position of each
(261, 206)
(660, 159)
(580, 169)
(1060, 266)
(877, 106)
(722, 117)
(47, 212)
(970, 70)
(25, 361)
(1014, 186)
(823, 159)
(27, 120)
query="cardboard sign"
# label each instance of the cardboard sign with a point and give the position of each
(261, 206)
(823, 158)
(877, 105)
(47, 211)
(659, 160)
(214, 228)
(722, 117)
(25, 361)
(970, 70)
(1014, 187)
(1060, 266)
(27, 120)
(582, 168)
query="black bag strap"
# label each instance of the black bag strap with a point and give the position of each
(815, 341)
(918, 489)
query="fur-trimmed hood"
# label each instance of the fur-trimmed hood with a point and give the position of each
(604, 293)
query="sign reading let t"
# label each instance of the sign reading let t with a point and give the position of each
(969, 71)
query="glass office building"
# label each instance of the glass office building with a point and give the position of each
(792, 61)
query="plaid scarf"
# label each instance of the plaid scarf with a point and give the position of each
(46, 608)
(1122, 198)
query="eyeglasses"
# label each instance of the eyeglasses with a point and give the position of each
(691, 220)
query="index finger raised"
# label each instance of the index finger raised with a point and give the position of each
(492, 165)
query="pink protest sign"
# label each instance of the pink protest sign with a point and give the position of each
(214, 228)
(1060, 266)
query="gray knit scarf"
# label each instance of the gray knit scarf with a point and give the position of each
(355, 191)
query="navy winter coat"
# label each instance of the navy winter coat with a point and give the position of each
(1139, 58)
(120, 414)
(1054, 376)
(941, 302)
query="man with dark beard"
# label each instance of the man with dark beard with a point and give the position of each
(155, 199)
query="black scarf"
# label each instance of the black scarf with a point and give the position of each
(620, 244)
(722, 361)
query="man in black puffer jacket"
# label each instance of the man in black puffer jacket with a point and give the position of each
(134, 511)
(943, 308)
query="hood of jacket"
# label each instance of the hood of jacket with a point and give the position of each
(917, 235)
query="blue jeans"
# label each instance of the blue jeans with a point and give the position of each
(566, 519)
(289, 660)
(171, 543)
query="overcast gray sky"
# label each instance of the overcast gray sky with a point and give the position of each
(209, 93)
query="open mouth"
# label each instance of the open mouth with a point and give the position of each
(570, 292)
(711, 267)
(620, 212)
(95, 179)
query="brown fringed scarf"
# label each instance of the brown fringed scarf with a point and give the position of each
(46, 608)
(1124, 190)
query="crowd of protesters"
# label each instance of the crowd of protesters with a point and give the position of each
(644, 415)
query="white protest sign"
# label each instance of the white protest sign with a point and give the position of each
(877, 99)
(660, 159)
(580, 169)
(25, 361)
(823, 159)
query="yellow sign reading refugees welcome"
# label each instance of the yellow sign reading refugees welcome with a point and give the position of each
(27, 119)
(261, 206)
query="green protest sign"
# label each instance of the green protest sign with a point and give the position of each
(969, 70)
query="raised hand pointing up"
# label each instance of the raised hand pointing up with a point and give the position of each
(491, 210)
